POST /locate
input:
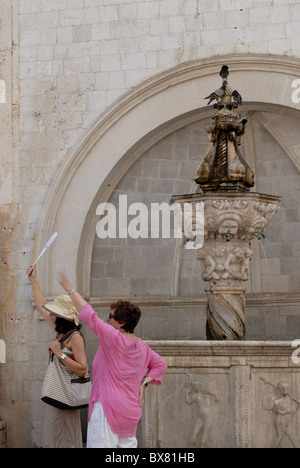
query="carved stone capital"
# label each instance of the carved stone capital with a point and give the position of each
(225, 263)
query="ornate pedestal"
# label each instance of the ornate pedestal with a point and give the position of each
(231, 221)
(232, 216)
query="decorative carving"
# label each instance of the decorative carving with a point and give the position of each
(242, 378)
(225, 263)
(284, 407)
(233, 216)
(231, 221)
(223, 167)
(239, 218)
(204, 400)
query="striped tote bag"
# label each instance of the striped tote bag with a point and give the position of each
(64, 389)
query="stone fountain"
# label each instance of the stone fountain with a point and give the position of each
(225, 392)
(233, 216)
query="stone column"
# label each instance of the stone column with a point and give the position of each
(225, 266)
(231, 221)
(225, 313)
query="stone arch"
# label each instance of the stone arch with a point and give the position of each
(131, 125)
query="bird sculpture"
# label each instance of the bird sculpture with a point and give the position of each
(224, 72)
(218, 94)
(237, 97)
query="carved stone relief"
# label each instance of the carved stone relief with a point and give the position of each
(280, 400)
(203, 401)
(225, 262)
(190, 402)
(250, 387)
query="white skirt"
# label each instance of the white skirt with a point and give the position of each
(100, 435)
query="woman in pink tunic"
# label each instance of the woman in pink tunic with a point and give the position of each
(123, 367)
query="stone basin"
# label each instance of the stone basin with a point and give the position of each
(218, 394)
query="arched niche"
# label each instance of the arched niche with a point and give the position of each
(130, 126)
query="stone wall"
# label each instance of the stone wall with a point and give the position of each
(64, 63)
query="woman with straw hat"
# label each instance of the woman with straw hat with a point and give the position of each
(62, 427)
(123, 367)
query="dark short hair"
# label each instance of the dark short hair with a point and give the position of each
(127, 313)
(64, 326)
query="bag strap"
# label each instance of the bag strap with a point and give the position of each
(68, 335)
(76, 332)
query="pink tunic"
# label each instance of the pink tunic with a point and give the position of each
(119, 366)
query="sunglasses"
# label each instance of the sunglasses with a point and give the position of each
(111, 316)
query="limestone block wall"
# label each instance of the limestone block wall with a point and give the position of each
(64, 63)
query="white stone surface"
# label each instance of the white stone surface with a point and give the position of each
(2, 352)
(64, 63)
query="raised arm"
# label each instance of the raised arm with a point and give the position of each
(87, 314)
(77, 299)
(39, 297)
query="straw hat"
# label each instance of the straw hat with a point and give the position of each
(63, 307)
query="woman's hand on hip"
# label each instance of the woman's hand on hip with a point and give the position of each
(141, 396)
